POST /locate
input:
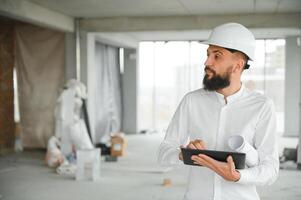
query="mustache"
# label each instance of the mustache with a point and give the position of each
(209, 69)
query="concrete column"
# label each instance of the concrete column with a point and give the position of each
(88, 71)
(86, 55)
(298, 61)
(130, 88)
(292, 87)
(70, 56)
(87, 58)
(293, 91)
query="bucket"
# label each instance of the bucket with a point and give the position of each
(88, 164)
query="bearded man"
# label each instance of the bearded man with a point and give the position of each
(206, 118)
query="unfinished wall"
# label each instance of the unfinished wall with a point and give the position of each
(40, 64)
(6, 84)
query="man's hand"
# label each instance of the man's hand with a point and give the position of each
(195, 144)
(224, 169)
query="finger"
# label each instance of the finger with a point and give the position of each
(201, 158)
(201, 144)
(209, 159)
(198, 145)
(214, 164)
(191, 145)
(198, 160)
(231, 164)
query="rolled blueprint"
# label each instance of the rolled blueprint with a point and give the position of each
(237, 143)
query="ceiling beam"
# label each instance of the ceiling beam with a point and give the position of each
(123, 24)
(117, 39)
(32, 13)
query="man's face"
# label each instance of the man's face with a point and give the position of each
(218, 68)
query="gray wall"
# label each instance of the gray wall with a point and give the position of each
(292, 87)
(129, 87)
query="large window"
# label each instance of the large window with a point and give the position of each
(268, 73)
(168, 70)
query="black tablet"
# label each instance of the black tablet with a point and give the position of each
(238, 158)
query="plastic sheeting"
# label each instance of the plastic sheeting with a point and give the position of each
(70, 127)
(105, 93)
(40, 62)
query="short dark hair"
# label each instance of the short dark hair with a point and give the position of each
(247, 66)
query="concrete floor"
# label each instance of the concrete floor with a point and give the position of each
(23, 176)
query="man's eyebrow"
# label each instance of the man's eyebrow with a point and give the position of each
(215, 51)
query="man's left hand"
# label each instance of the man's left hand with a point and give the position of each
(224, 169)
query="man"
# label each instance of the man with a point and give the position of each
(208, 117)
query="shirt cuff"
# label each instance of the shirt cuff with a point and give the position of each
(244, 176)
(171, 158)
(177, 159)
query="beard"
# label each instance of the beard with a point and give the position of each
(217, 81)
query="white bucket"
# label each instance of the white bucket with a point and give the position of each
(88, 164)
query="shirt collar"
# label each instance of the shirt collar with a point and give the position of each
(232, 97)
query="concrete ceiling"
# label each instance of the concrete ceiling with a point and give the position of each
(130, 8)
(126, 22)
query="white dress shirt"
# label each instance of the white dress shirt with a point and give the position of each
(208, 116)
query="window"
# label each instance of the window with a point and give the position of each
(168, 70)
(267, 75)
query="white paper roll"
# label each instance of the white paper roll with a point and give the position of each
(237, 143)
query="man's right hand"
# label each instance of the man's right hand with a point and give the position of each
(195, 144)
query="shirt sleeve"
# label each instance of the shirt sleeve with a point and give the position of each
(266, 143)
(176, 135)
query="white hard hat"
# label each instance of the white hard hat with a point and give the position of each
(233, 36)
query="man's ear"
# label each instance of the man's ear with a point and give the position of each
(239, 64)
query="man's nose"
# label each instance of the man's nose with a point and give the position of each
(208, 62)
